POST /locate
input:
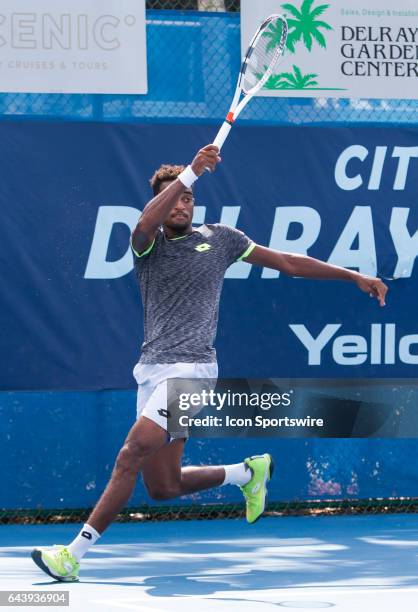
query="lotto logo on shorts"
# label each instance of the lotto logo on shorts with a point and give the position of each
(202, 248)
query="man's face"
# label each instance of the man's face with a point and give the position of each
(180, 217)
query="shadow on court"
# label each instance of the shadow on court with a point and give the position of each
(201, 558)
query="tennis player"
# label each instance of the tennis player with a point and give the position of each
(180, 271)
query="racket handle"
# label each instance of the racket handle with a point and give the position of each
(222, 134)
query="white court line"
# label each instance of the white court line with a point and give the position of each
(295, 594)
(336, 591)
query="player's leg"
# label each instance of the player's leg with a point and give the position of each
(165, 478)
(163, 474)
(144, 438)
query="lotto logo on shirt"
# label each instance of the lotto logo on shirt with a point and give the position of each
(202, 248)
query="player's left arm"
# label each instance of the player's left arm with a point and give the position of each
(294, 264)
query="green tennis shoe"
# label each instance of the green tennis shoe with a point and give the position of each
(58, 562)
(255, 490)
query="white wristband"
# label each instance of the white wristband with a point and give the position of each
(187, 177)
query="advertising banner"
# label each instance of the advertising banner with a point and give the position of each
(57, 434)
(71, 193)
(341, 49)
(73, 46)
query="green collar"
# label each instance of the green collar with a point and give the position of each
(179, 237)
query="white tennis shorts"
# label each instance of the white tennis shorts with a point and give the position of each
(152, 387)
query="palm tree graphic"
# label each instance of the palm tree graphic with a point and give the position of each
(297, 80)
(289, 80)
(274, 33)
(303, 24)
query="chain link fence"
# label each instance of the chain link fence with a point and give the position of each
(195, 5)
(214, 511)
(193, 49)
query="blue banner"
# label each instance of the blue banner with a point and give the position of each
(59, 449)
(70, 313)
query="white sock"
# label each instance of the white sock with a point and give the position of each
(237, 474)
(86, 538)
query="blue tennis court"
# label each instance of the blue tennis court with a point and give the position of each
(347, 563)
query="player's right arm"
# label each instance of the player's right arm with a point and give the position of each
(158, 209)
(154, 214)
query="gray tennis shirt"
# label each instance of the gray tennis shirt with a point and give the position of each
(181, 282)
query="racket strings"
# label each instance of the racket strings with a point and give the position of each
(264, 54)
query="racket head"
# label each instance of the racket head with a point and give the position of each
(264, 52)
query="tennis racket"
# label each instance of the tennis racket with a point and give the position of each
(265, 50)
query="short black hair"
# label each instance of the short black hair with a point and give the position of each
(166, 172)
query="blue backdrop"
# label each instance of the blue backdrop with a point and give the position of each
(58, 451)
(70, 310)
(71, 318)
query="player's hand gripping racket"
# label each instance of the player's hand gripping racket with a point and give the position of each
(265, 50)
